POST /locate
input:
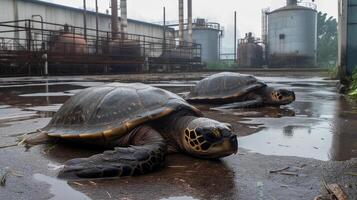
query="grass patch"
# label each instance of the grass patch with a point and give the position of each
(223, 65)
(333, 72)
(353, 85)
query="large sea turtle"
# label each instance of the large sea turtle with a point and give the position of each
(140, 124)
(236, 90)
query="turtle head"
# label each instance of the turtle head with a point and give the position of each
(207, 138)
(279, 96)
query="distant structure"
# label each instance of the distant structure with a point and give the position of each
(208, 34)
(42, 38)
(291, 39)
(347, 30)
(250, 53)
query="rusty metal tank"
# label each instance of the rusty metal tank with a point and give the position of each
(69, 44)
(250, 53)
(124, 49)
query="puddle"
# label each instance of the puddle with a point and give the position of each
(50, 108)
(60, 189)
(48, 94)
(317, 125)
(180, 198)
(302, 141)
(8, 114)
(316, 131)
(54, 167)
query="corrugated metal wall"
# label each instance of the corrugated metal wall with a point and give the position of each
(72, 16)
(351, 36)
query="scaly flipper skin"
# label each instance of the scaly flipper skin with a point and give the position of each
(236, 105)
(146, 154)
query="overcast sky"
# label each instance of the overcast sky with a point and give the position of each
(248, 12)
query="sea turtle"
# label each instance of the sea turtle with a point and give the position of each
(236, 90)
(140, 124)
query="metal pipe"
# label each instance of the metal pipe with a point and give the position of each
(291, 2)
(85, 19)
(164, 32)
(235, 36)
(189, 18)
(96, 26)
(16, 19)
(181, 21)
(115, 20)
(265, 31)
(41, 18)
(124, 18)
(45, 60)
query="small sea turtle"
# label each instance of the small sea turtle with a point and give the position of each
(140, 124)
(238, 91)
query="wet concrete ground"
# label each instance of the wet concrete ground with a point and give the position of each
(315, 137)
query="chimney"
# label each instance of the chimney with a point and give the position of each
(124, 18)
(291, 2)
(181, 21)
(189, 17)
(115, 20)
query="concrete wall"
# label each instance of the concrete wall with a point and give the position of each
(73, 16)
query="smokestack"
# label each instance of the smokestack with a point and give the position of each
(181, 39)
(115, 20)
(124, 18)
(85, 19)
(189, 17)
(264, 25)
(291, 2)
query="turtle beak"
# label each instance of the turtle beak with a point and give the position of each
(231, 141)
(234, 143)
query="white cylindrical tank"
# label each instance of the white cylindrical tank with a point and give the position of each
(292, 38)
(207, 34)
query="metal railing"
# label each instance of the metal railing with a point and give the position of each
(66, 44)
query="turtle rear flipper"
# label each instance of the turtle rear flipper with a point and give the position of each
(244, 104)
(146, 154)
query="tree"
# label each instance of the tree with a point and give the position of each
(327, 40)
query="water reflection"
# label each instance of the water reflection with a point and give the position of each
(307, 134)
(182, 176)
(344, 140)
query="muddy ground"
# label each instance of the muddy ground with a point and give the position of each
(315, 137)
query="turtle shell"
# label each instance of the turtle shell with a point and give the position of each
(111, 110)
(225, 85)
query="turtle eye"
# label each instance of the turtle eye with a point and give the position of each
(212, 135)
(217, 133)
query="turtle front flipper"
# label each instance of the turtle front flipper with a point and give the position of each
(245, 104)
(146, 154)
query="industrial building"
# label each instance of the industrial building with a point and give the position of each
(201, 31)
(34, 32)
(13, 10)
(289, 35)
(250, 52)
(289, 38)
(347, 26)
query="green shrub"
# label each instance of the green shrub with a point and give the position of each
(223, 65)
(353, 85)
(333, 72)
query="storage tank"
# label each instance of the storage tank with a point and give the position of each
(250, 53)
(208, 35)
(292, 34)
(68, 44)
